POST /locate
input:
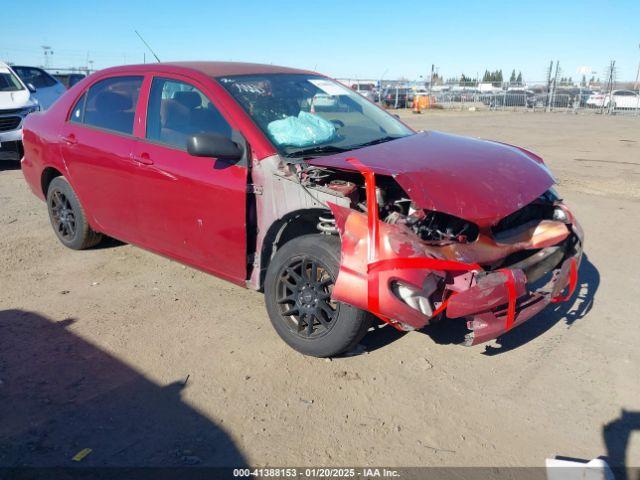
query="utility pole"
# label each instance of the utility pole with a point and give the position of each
(47, 51)
(380, 87)
(433, 68)
(635, 86)
(552, 84)
(637, 89)
(611, 73)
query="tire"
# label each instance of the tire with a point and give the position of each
(67, 217)
(290, 287)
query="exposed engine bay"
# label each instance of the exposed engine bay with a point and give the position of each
(396, 208)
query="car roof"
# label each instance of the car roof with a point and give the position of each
(27, 66)
(213, 69)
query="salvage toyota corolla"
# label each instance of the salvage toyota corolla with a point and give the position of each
(286, 181)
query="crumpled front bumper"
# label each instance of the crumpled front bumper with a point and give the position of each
(483, 298)
(485, 303)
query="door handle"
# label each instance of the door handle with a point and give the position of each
(143, 158)
(69, 139)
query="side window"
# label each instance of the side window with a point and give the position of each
(178, 110)
(111, 104)
(78, 110)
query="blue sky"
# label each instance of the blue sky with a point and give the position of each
(347, 39)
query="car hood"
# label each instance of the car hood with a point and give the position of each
(16, 99)
(478, 180)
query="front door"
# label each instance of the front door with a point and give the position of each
(190, 208)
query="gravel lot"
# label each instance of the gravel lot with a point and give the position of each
(147, 362)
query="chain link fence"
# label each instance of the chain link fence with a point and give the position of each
(618, 102)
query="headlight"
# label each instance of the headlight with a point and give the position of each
(560, 215)
(27, 110)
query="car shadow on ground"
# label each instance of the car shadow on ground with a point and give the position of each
(616, 435)
(108, 242)
(6, 165)
(449, 331)
(67, 395)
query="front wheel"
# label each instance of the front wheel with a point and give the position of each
(298, 289)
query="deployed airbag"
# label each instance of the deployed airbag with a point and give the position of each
(302, 131)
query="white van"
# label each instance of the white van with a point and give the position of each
(15, 104)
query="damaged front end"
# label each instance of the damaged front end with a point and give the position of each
(410, 266)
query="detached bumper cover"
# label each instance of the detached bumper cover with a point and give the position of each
(486, 303)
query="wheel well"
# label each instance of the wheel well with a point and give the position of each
(48, 174)
(292, 225)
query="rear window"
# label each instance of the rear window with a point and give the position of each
(110, 104)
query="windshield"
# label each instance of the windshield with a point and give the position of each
(311, 115)
(8, 81)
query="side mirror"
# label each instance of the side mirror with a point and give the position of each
(31, 88)
(214, 146)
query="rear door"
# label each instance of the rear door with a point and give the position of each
(190, 208)
(97, 143)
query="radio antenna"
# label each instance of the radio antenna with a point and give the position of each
(147, 45)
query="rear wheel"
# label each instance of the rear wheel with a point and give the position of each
(298, 288)
(67, 216)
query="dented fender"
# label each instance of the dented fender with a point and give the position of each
(357, 287)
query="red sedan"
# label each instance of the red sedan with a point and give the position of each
(286, 181)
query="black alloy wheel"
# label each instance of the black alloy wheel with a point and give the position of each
(304, 295)
(67, 216)
(62, 215)
(298, 289)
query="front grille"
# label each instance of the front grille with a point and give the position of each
(9, 123)
(8, 111)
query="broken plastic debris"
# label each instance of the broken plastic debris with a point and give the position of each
(81, 454)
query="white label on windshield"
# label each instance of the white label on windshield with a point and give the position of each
(328, 87)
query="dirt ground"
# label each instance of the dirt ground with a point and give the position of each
(147, 362)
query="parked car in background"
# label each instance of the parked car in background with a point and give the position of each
(367, 90)
(47, 88)
(393, 97)
(623, 99)
(596, 99)
(69, 79)
(617, 100)
(340, 216)
(15, 104)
